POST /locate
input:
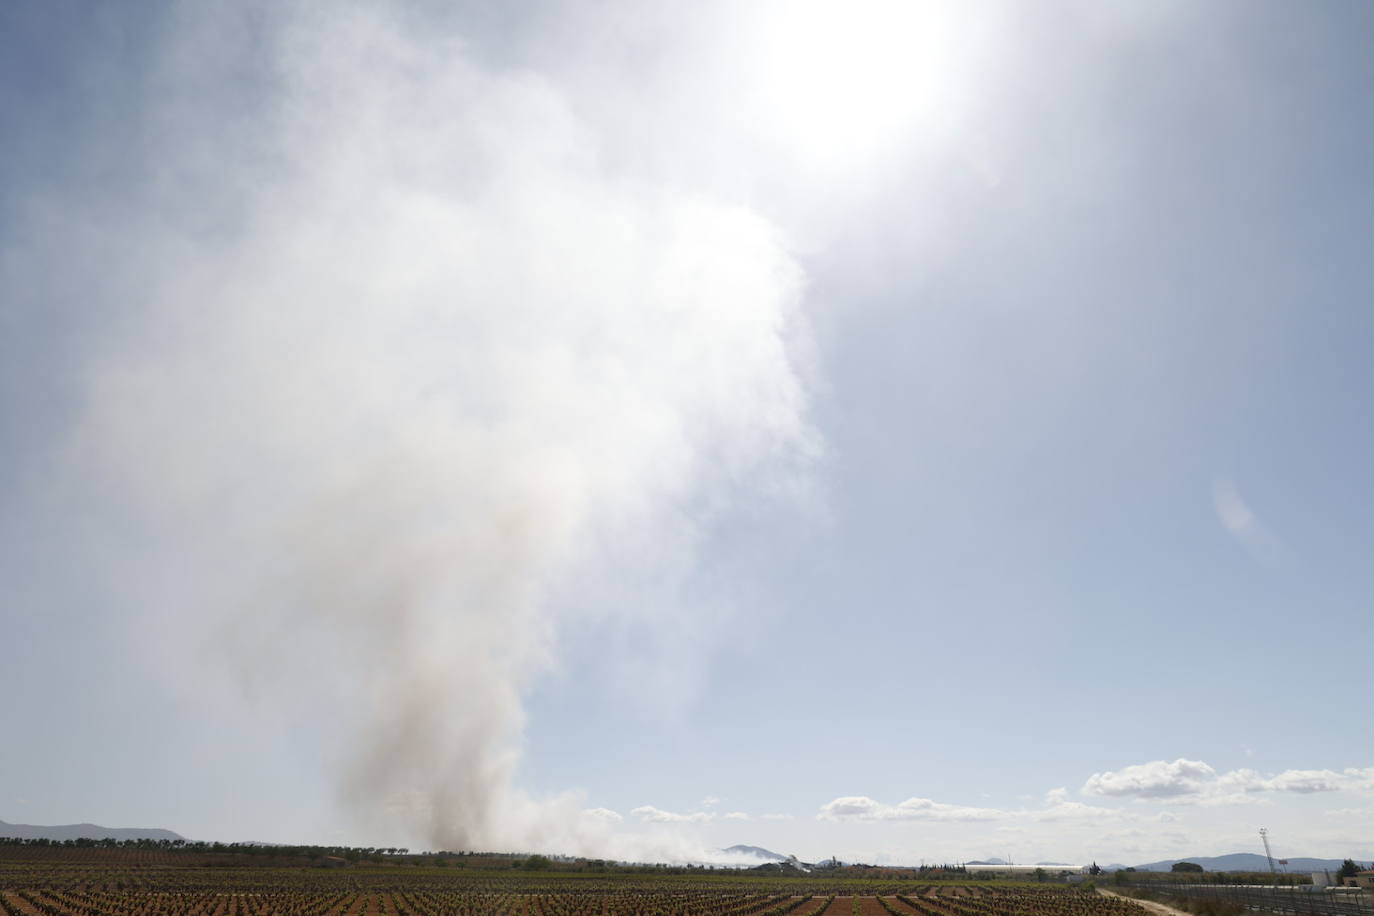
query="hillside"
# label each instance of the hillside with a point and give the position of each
(757, 852)
(62, 832)
(1245, 861)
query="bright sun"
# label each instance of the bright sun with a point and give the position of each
(840, 82)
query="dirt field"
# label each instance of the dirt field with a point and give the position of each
(844, 906)
(1159, 909)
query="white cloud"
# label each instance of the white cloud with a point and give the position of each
(777, 817)
(1309, 781)
(1305, 782)
(651, 815)
(862, 808)
(1063, 810)
(710, 801)
(1156, 779)
(605, 815)
(1235, 516)
(1215, 799)
(1057, 807)
(1195, 782)
(1241, 523)
(1062, 827)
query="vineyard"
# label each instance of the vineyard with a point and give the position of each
(146, 886)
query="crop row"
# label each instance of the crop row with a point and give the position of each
(16, 876)
(1006, 902)
(994, 902)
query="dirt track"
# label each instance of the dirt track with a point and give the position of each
(1159, 909)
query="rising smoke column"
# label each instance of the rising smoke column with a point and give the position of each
(395, 365)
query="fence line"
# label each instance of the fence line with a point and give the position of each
(1299, 900)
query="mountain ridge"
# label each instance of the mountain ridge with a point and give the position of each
(757, 852)
(1245, 861)
(60, 832)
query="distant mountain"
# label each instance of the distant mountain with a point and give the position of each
(757, 852)
(1245, 861)
(1055, 864)
(84, 831)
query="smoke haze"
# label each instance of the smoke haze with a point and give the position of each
(394, 372)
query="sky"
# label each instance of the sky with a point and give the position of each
(898, 431)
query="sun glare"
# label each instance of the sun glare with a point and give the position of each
(837, 84)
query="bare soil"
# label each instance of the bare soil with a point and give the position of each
(1159, 909)
(844, 906)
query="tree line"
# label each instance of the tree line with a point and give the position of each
(201, 846)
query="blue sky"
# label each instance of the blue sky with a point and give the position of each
(894, 432)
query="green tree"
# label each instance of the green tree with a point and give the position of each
(1348, 869)
(1187, 867)
(1095, 869)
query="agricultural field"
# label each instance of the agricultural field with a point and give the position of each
(91, 885)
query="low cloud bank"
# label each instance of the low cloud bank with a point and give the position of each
(862, 808)
(1195, 782)
(1180, 781)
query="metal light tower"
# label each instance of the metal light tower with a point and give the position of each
(1264, 835)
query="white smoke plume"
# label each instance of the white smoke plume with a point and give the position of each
(395, 367)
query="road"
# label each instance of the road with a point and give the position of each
(1159, 909)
